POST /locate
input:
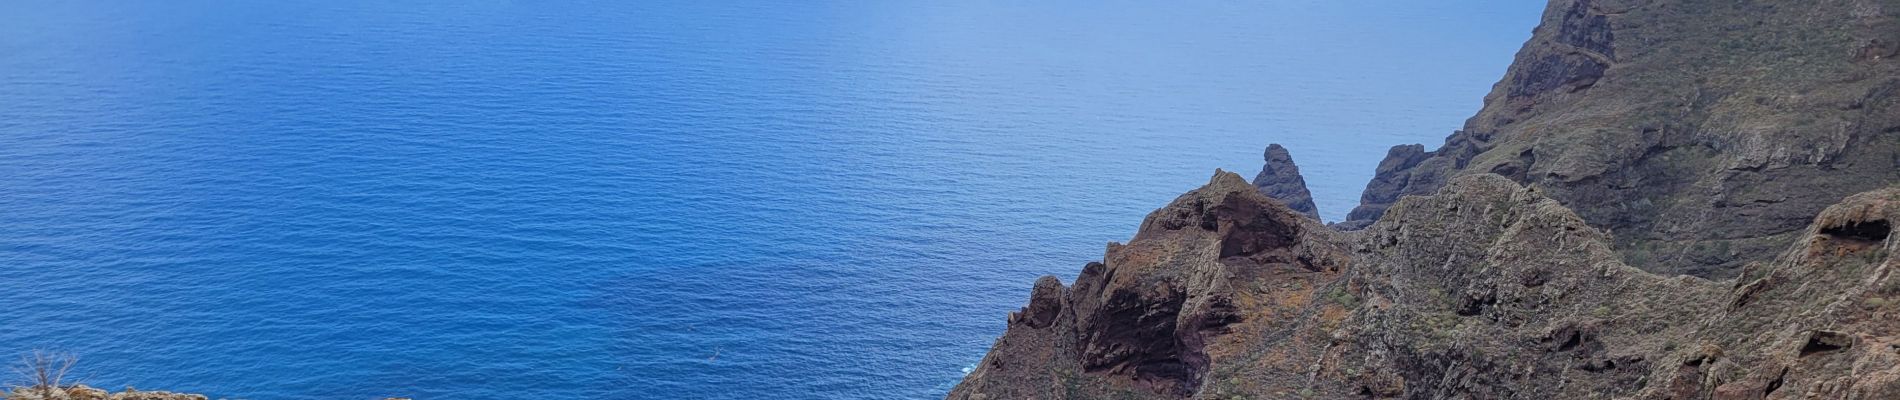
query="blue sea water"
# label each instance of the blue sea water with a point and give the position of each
(656, 199)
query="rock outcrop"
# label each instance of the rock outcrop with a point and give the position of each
(83, 392)
(1662, 199)
(1484, 289)
(1392, 180)
(1702, 133)
(1157, 313)
(1280, 179)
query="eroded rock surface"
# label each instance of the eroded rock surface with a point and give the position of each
(1702, 133)
(1152, 318)
(1280, 179)
(1662, 199)
(1482, 290)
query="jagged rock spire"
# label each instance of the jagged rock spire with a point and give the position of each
(1280, 179)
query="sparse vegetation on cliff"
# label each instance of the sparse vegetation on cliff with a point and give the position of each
(46, 375)
(1662, 199)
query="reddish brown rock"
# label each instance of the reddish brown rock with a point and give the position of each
(1485, 289)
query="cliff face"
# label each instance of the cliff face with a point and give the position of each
(1752, 145)
(1702, 133)
(1203, 278)
(1485, 289)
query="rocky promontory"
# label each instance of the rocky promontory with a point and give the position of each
(1485, 289)
(1661, 200)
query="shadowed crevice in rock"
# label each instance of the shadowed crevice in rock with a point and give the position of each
(1865, 231)
(1826, 342)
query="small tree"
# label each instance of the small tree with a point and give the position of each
(44, 373)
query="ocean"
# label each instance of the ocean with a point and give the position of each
(651, 199)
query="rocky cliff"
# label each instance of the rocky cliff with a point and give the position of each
(1702, 133)
(1753, 146)
(1484, 289)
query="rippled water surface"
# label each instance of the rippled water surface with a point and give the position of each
(653, 199)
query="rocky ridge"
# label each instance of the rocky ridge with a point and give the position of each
(1669, 199)
(1485, 289)
(1702, 133)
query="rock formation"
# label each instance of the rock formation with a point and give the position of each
(83, 392)
(1702, 133)
(1484, 289)
(1662, 199)
(1280, 179)
(1156, 314)
(1392, 180)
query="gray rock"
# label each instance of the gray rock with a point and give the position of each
(1483, 289)
(1280, 179)
(1390, 181)
(1702, 136)
(1539, 253)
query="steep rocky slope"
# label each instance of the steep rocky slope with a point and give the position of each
(1702, 133)
(1662, 199)
(1484, 289)
(1204, 275)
